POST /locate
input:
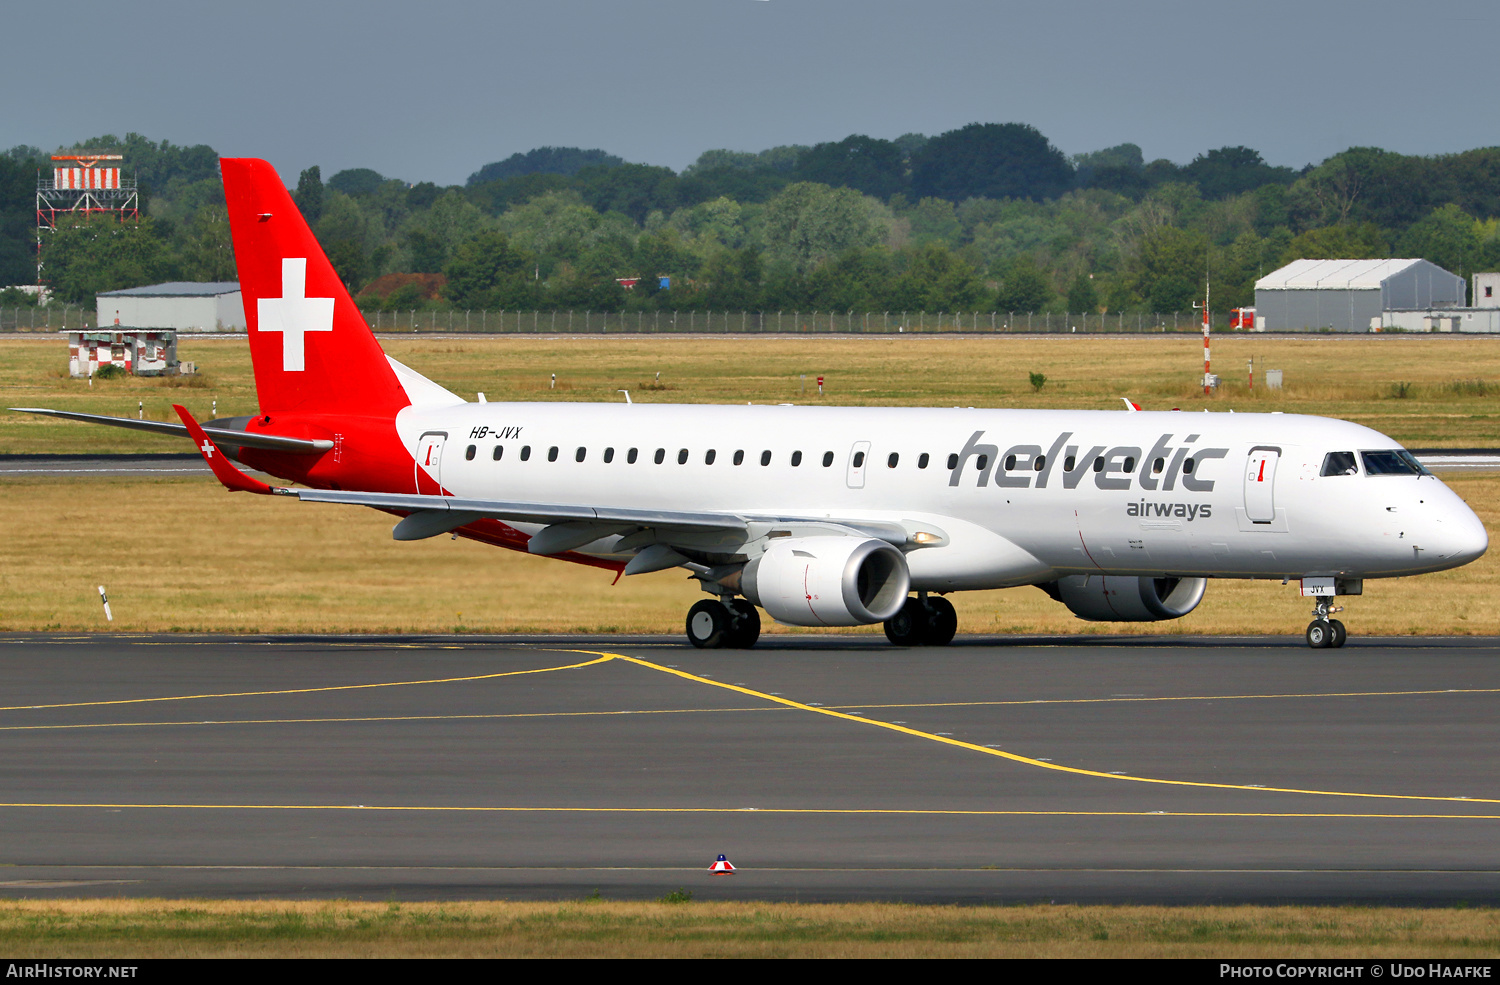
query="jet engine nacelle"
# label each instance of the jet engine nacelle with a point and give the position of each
(1120, 598)
(828, 581)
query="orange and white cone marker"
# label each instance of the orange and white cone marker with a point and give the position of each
(721, 867)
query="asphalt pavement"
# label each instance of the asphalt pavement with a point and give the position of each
(1074, 769)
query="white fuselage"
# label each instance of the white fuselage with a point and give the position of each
(1171, 493)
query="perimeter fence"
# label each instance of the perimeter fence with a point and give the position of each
(51, 318)
(781, 322)
(62, 318)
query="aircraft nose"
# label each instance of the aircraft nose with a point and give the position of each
(1461, 534)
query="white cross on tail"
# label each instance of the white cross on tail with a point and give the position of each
(294, 314)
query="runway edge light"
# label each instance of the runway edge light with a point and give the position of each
(721, 867)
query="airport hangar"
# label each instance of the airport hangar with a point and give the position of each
(1367, 295)
(215, 306)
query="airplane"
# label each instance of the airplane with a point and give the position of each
(818, 516)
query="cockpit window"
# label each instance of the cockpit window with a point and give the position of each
(1340, 463)
(1398, 461)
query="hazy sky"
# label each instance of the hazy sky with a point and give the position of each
(431, 91)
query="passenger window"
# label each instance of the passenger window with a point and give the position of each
(631, 456)
(952, 461)
(709, 456)
(859, 460)
(765, 458)
(682, 456)
(922, 460)
(1187, 466)
(1158, 465)
(661, 455)
(796, 459)
(1070, 463)
(525, 453)
(552, 454)
(609, 455)
(827, 459)
(469, 453)
(580, 454)
(1129, 464)
(1010, 462)
(890, 463)
(498, 452)
(1039, 463)
(739, 457)
(1098, 465)
(1339, 463)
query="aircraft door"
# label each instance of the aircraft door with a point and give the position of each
(429, 463)
(859, 457)
(1260, 484)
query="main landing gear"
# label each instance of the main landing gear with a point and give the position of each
(923, 621)
(732, 624)
(1323, 632)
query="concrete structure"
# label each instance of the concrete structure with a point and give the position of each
(140, 353)
(180, 306)
(1351, 295)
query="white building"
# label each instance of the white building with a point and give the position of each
(1486, 291)
(181, 306)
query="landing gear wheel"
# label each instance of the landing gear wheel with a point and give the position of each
(910, 626)
(1340, 634)
(708, 624)
(944, 622)
(746, 625)
(1319, 634)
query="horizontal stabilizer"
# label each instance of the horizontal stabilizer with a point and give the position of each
(234, 480)
(222, 436)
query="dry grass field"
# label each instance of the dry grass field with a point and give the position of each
(1425, 391)
(126, 929)
(231, 562)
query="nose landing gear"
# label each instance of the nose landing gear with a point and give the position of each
(1324, 632)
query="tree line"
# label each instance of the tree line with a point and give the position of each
(985, 217)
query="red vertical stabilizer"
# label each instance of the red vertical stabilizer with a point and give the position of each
(313, 352)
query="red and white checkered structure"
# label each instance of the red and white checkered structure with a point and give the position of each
(81, 178)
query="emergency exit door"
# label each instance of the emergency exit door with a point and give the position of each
(857, 456)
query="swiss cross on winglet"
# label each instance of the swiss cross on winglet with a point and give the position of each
(233, 478)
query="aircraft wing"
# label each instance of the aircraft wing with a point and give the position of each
(546, 513)
(573, 525)
(223, 436)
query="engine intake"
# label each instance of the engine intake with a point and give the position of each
(828, 581)
(1120, 598)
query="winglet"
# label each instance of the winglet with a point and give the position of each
(1130, 405)
(233, 478)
